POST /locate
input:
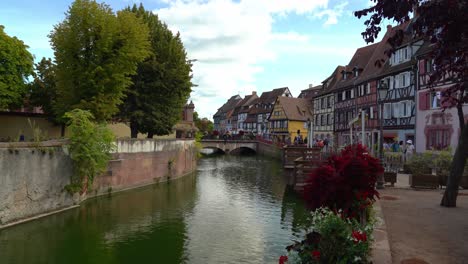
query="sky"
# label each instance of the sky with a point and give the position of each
(239, 46)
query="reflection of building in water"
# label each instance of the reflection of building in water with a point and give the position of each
(294, 211)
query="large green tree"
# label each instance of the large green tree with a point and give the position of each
(43, 89)
(16, 65)
(444, 24)
(96, 52)
(162, 84)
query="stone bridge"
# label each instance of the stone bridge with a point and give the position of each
(230, 146)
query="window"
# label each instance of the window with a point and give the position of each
(368, 88)
(323, 103)
(352, 94)
(329, 101)
(396, 110)
(329, 119)
(348, 94)
(344, 95)
(317, 120)
(438, 139)
(435, 99)
(340, 97)
(322, 120)
(371, 112)
(405, 108)
(387, 113)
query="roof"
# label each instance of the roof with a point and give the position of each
(310, 92)
(360, 60)
(243, 106)
(298, 109)
(373, 69)
(270, 97)
(330, 83)
(229, 105)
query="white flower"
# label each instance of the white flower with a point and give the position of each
(357, 259)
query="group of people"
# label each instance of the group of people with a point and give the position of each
(395, 146)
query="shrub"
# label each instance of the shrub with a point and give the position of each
(421, 163)
(90, 148)
(344, 182)
(333, 239)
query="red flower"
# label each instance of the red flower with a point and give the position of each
(283, 259)
(359, 236)
(316, 254)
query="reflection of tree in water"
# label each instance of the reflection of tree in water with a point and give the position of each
(294, 211)
(140, 226)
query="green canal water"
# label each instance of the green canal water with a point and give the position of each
(234, 209)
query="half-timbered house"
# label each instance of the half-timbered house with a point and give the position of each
(323, 108)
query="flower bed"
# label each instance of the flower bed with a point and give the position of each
(340, 194)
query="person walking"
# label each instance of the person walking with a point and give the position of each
(409, 150)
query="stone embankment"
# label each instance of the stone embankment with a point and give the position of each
(33, 176)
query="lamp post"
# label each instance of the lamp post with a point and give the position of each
(382, 94)
(310, 133)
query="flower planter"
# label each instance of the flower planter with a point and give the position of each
(424, 181)
(390, 177)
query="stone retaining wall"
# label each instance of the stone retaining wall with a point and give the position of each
(33, 175)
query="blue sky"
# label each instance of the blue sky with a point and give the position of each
(241, 46)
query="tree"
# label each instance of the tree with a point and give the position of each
(204, 125)
(43, 89)
(443, 23)
(96, 52)
(16, 65)
(162, 84)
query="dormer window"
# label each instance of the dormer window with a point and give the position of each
(356, 71)
(343, 73)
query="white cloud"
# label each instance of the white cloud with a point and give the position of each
(332, 14)
(231, 40)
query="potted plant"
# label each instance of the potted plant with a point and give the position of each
(421, 171)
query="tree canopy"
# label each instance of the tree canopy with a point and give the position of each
(162, 84)
(43, 89)
(96, 52)
(444, 24)
(203, 124)
(16, 65)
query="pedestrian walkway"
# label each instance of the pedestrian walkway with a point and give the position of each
(421, 231)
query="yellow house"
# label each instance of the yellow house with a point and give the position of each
(288, 117)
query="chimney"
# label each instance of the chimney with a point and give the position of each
(311, 85)
(389, 27)
(254, 93)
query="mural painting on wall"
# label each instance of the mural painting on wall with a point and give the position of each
(438, 130)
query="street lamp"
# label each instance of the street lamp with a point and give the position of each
(382, 94)
(310, 133)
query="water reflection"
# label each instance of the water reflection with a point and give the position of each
(234, 210)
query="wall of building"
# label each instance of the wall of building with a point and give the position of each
(33, 176)
(12, 126)
(269, 150)
(439, 120)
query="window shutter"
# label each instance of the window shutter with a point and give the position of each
(422, 67)
(422, 101)
(371, 112)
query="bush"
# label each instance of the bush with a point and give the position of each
(421, 163)
(344, 182)
(334, 239)
(91, 145)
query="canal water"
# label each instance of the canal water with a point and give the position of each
(234, 209)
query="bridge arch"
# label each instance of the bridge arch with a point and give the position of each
(243, 151)
(209, 150)
(231, 146)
